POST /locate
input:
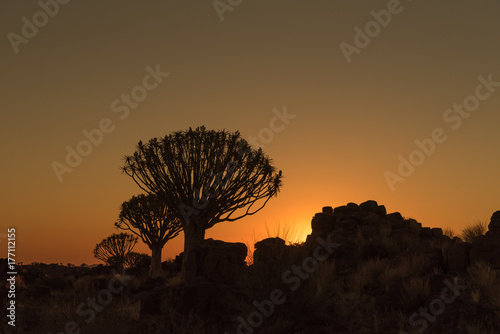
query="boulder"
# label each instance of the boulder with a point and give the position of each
(486, 249)
(352, 207)
(348, 224)
(220, 261)
(395, 218)
(436, 232)
(269, 250)
(433, 257)
(323, 222)
(368, 206)
(327, 210)
(457, 258)
(414, 226)
(494, 226)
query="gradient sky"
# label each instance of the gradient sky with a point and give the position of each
(353, 120)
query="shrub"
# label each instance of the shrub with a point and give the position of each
(475, 230)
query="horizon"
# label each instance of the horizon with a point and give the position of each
(392, 101)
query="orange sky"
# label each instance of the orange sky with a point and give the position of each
(353, 120)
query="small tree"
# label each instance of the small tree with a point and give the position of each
(205, 178)
(137, 260)
(115, 248)
(149, 218)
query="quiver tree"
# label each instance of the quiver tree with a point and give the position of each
(114, 249)
(149, 218)
(205, 178)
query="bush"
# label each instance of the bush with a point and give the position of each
(473, 231)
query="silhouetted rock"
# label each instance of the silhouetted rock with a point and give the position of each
(494, 225)
(323, 222)
(486, 248)
(220, 261)
(395, 217)
(268, 250)
(352, 207)
(327, 210)
(433, 257)
(457, 258)
(368, 206)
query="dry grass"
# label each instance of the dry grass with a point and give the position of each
(487, 282)
(410, 266)
(287, 232)
(472, 231)
(449, 232)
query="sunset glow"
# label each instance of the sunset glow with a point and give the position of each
(417, 104)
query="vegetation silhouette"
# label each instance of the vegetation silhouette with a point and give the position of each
(205, 177)
(148, 217)
(114, 249)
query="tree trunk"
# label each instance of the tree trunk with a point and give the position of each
(155, 269)
(193, 235)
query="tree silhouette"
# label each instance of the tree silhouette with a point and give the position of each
(149, 218)
(137, 260)
(114, 249)
(205, 178)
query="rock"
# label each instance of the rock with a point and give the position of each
(327, 210)
(220, 261)
(381, 211)
(369, 231)
(414, 226)
(426, 232)
(368, 218)
(436, 232)
(353, 207)
(494, 226)
(341, 235)
(322, 223)
(457, 258)
(368, 206)
(341, 210)
(486, 249)
(269, 250)
(433, 258)
(395, 218)
(348, 224)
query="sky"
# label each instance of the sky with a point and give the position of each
(353, 100)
